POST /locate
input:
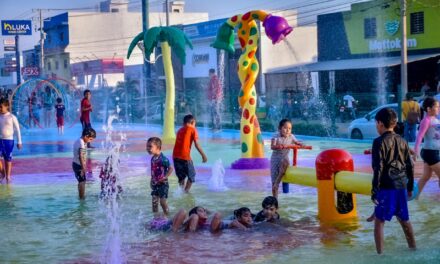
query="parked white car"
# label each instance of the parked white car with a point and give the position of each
(365, 127)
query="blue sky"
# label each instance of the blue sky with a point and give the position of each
(22, 9)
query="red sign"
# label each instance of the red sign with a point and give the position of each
(115, 65)
(30, 71)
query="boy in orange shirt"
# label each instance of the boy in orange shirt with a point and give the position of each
(182, 152)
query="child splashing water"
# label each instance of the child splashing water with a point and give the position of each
(279, 161)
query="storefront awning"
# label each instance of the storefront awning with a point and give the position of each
(365, 63)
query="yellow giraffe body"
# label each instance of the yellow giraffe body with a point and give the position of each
(248, 68)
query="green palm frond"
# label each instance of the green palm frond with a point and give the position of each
(133, 43)
(177, 40)
(174, 36)
(151, 38)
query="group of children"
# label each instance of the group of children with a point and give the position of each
(393, 175)
(393, 179)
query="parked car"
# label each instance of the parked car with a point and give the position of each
(365, 127)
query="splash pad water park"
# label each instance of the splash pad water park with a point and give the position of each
(42, 219)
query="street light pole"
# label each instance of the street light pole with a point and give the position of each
(404, 59)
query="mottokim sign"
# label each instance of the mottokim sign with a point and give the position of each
(16, 27)
(390, 44)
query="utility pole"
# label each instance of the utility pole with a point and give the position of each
(403, 58)
(17, 60)
(41, 44)
(146, 68)
(167, 13)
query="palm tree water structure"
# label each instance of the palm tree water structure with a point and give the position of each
(168, 37)
(277, 28)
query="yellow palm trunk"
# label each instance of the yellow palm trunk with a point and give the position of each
(168, 133)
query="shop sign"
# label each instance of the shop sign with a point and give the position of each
(391, 27)
(200, 58)
(10, 68)
(16, 27)
(390, 44)
(9, 42)
(30, 71)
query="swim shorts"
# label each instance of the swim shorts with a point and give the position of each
(392, 202)
(430, 156)
(161, 224)
(60, 121)
(184, 169)
(160, 190)
(77, 169)
(6, 147)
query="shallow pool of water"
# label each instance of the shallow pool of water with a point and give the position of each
(42, 219)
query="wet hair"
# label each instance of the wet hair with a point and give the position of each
(89, 132)
(240, 211)
(194, 210)
(428, 102)
(86, 91)
(387, 116)
(59, 100)
(156, 141)
(270, 201)
(283, 122)
(188, 119)
(211, 70)
(4, 101)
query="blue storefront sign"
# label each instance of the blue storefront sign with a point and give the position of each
(203, 29)
(16, 27)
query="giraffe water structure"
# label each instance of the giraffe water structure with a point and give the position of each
(252, 148)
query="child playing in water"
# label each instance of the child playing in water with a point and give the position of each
(242, 220)
(393, 176)
(279, 161)
(79, 159)
(269, 212)
(8, 125)
(60, 115)
(160, 171)
(182, 152)
(429, 131)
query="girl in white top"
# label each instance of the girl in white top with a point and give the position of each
(279, 161)
(429, 131)
(8, 125)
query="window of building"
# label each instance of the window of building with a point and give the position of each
(62, 36)
(370, 28)
(57, 65)
(417, 23)
(66, 64)
(49, 67)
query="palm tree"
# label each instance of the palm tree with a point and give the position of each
(169, 37)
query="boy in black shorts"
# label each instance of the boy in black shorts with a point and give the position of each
(182, 152)
(160, 171)
(79, 159)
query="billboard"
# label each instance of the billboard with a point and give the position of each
(30, 71)
(115, 65)
(16, 27)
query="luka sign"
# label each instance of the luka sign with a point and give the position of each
(16, 27)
